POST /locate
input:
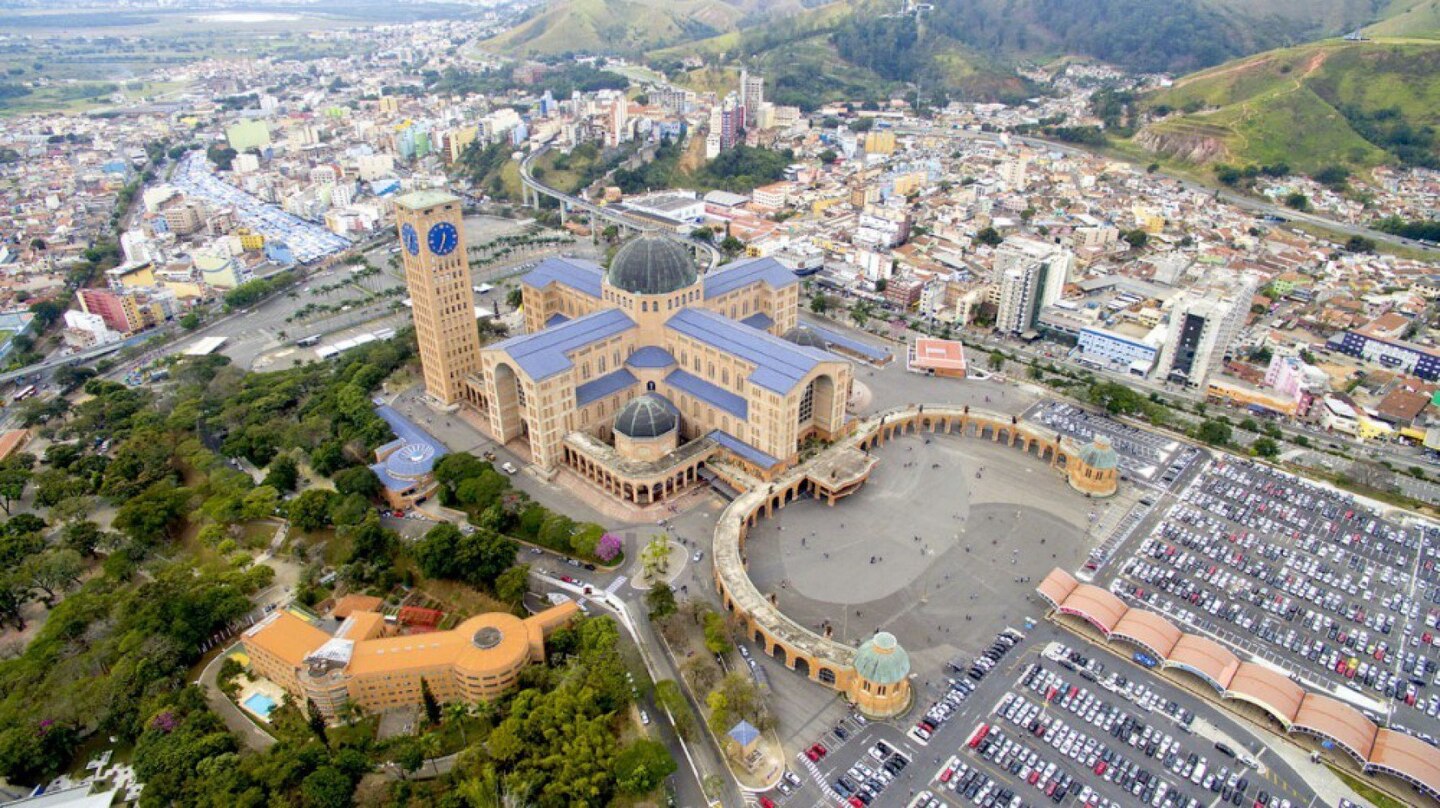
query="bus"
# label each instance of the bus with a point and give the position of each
(306, 342)
(23, 393)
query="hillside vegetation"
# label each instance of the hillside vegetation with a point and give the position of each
(630, 26)
(1355, 103)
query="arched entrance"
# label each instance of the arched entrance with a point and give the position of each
(802, 666)
(507, 417)
(817, 406)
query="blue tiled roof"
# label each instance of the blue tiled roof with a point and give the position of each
(712, 394)
(744, 733)
(556, 319)
(779, 365)
(543, 354)
(650, 356)
(759, 320)
(744, 450)
(411, 455)
(583, 276)
(743, 273)
(605, 385)
(850, 344)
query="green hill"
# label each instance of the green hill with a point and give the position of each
(630, 26)
(1333, 102)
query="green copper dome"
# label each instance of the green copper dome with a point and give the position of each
(647, 416)
(652, 265)
(881, 660)
(1099, 454)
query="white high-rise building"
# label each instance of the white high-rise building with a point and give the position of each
(752, 95)
(1012, 173)
(1203, 325)
(616, 122)
(1030, 275)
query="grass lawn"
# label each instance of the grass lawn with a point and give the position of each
(462, 598)
(1376, 797)
(353, 734)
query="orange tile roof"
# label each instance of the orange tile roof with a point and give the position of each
(285, 636)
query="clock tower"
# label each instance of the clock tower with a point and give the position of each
(437, 273)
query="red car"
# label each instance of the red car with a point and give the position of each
(815, 752)
(766, 802)
(856, 802)
(567, 579)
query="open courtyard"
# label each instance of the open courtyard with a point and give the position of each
(940, 547)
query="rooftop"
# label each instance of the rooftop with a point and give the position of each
(422, 200)
(779, 365)
(544, 353)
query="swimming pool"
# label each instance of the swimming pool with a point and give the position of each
(259, 704)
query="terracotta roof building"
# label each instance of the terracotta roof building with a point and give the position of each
(364, 664)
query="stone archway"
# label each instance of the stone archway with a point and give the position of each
(507, 418)
(802, 666)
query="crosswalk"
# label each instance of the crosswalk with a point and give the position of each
(616, 584)
(818, 778)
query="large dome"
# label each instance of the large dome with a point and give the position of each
(652, 265)
(648, 416)
(881, 660)
(1099, 454)
(806, 336)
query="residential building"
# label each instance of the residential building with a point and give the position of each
(1203, 325)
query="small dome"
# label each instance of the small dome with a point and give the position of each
(882, 661)
(652, 265)
(648, 416)
(1099, 454)
(806, 336)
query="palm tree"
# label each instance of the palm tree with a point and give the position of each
(458, 711)
(430, 745)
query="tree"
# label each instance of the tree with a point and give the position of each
(609, 547)
(154, 514)
(860, 312)
(316, 721)
(514, 297)
(1215, 433)
(989, 236)
(997, 360)
(358, 480)
(642, 766)
(283, 474)
(456, 712)
(660, 600)
(1298, 201)
(1265, 447)
(1360, 244)
(260, 502)
(512, 584)
(435, 552)
(820, 303)
(84, 537)
(13, 479)
(717, 634)
(409, 757)
(52, 572)
(1136, 238)
(327, 787)
(190, 320)
(427, 700)
(1332, 176)
(311, 510)
(731, 246)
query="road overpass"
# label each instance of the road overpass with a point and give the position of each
(705, 253)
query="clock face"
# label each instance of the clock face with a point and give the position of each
(410, 238)
(443, 239)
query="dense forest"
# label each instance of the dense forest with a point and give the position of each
(134, 538)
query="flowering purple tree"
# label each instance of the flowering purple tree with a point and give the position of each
(608, 547)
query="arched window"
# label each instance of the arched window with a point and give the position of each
(650, 387)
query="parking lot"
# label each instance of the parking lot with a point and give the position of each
(1109, 734)
(1343, 598)
(1146, 457)
(1070, 728)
